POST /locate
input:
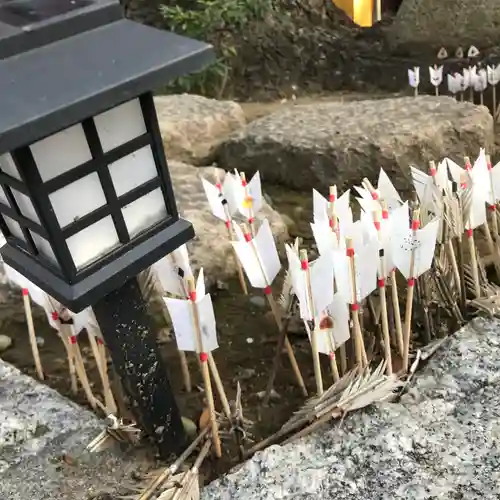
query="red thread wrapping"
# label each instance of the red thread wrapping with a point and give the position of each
(415, 225)
(332, 356)
(219, 186)
(330, 221)
(469, 233)
(385, 214)
(433, 172)
(350, 252)
(55, 316)
(203, 356)
(304, 265)
(99, 341)
(492, 208)
(248, 237)
(267, 290)
(411, 282)
(381, 283)
(463, 185)
(192, 296)
(331, 198)
(228, 224)
(489, 166)
(374, 196)
(468, 166)
(377, 225)
(355, 307)
(251, 220)
(243, 182)
(72, 339)
(25, 291)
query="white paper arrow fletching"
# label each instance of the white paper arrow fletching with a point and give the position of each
(181, 314)
(414, 77)
(436, 75)
(264, 259)
(215, 199)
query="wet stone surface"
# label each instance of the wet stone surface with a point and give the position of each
(440, 441)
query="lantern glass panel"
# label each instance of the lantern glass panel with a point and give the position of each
(14, 228)
(61, 152)
(133, 170)
(3, 197)
(77, 199)
(8, 166)
(25, 206)
(44, 247)
(145, 212)
(120, 125)
(93, 242)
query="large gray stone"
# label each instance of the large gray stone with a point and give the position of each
(451, 24)
(42, 445)
(211, 247)
(314, 146)
(442, 441)
(191, 124)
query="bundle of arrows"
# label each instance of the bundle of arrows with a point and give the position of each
(431, 241)
(462, 85)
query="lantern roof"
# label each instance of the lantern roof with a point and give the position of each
(56, 85)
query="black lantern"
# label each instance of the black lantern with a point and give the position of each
(86, 200)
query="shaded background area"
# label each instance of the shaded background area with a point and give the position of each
(273, 49)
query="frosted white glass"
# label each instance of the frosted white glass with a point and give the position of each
(3, 197)
(14, 228)
(120, 125)
(77, 199)
(144, 212)
(25, 206)
(93, 242)
(8, 166)
(44, 247)
(133, 170)
(61, 152)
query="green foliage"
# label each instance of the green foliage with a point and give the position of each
(213, 21)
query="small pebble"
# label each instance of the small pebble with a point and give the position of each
(249, 340)
(40, 341)
(5, 342)
(258, 301)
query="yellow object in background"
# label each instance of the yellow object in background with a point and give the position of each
(360, 11)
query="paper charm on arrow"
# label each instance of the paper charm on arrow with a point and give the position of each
(429, 187)
(333, 321)
(414, 77)
(480, 81)
(385, 191)
(404, 243)
(248, 195)
(436, 75)
(382, 236)
(321, 283)
(181, 314)
(366, 263)
(493, 74)
(222, 199)
(322, 209)
(259, 256)
(454, 83)
(172, 271)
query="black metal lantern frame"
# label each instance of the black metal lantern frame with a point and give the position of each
(86, 200)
